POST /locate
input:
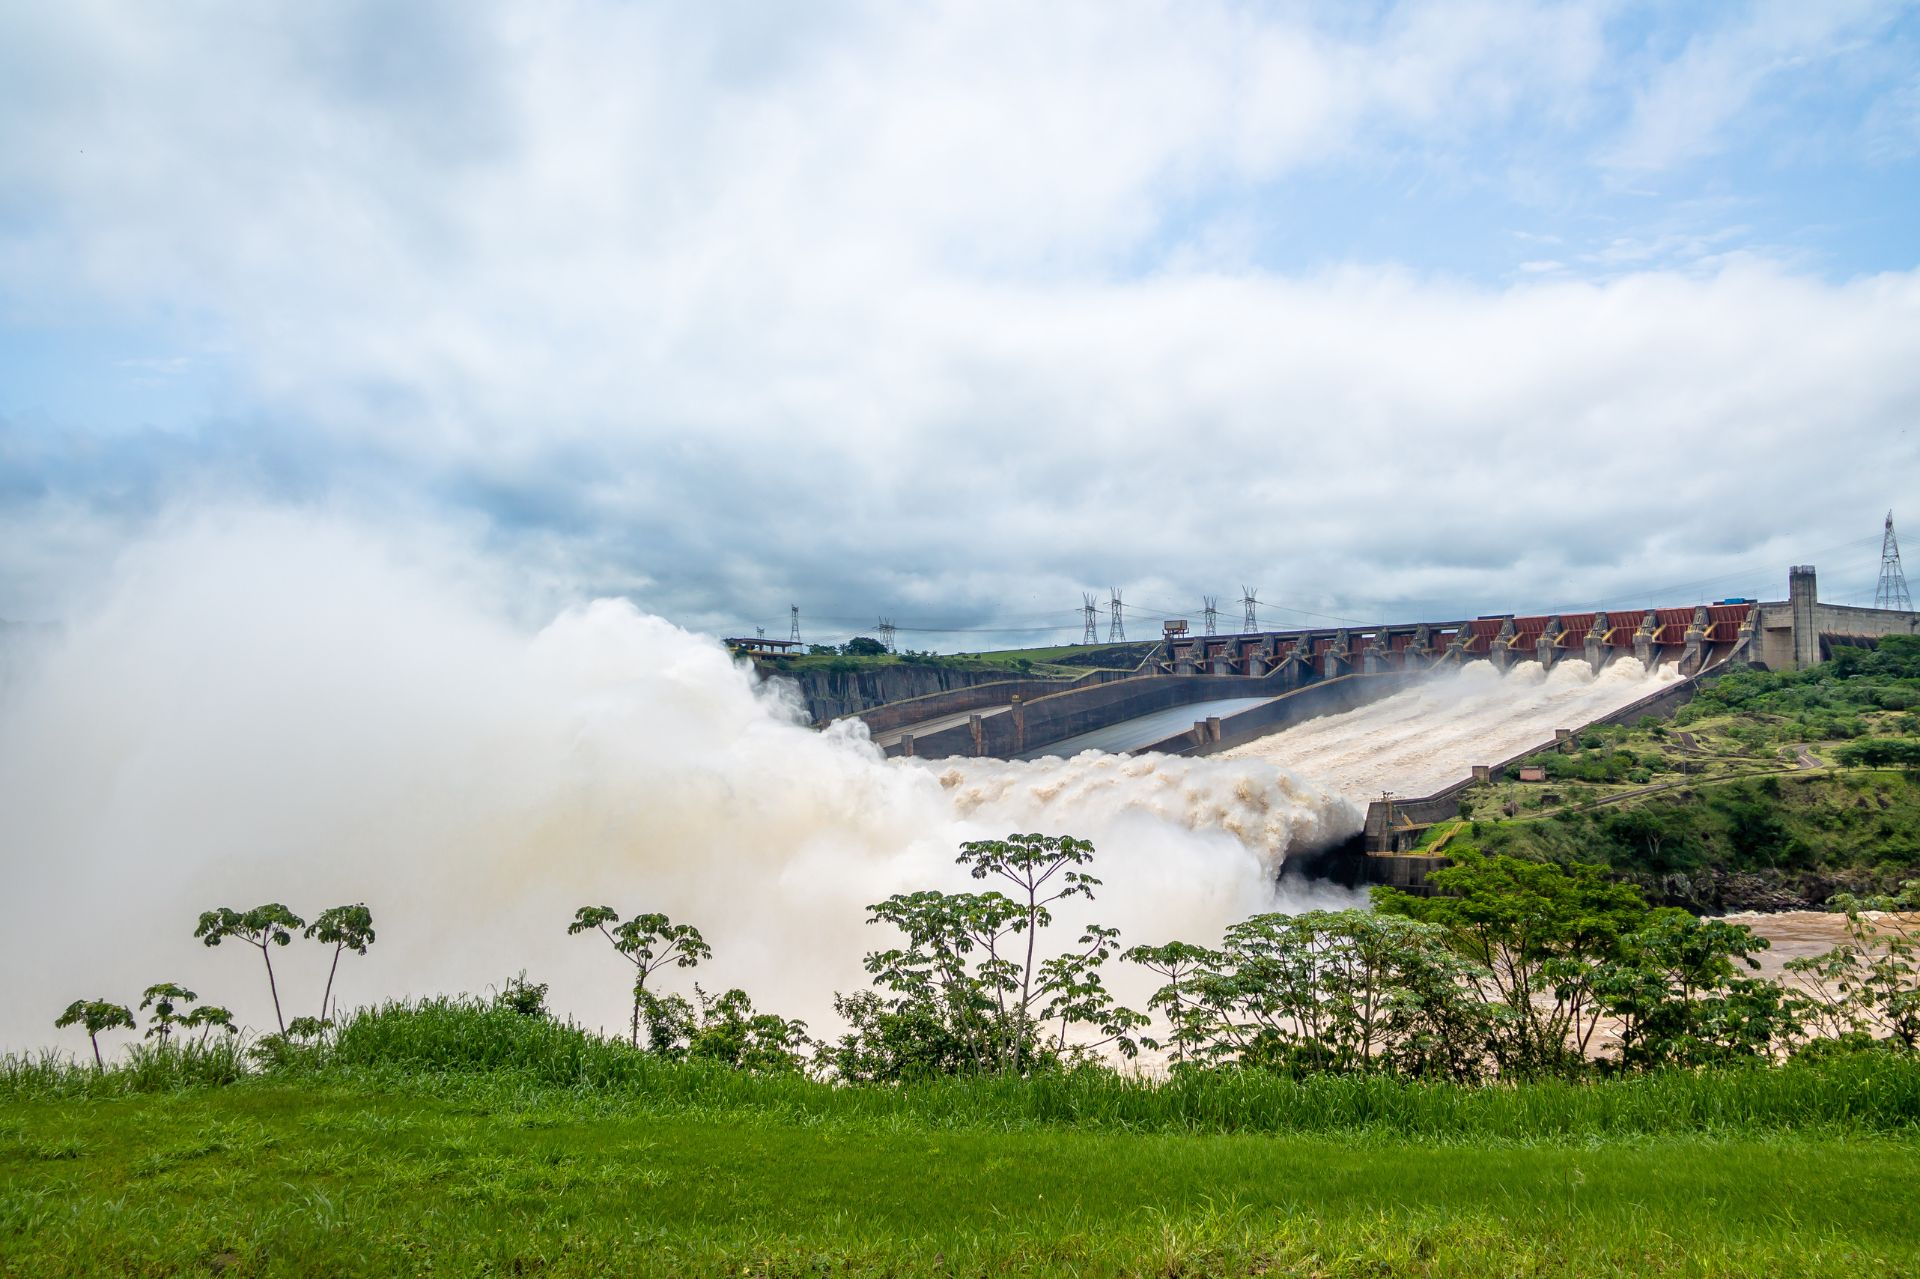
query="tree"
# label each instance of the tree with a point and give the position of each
(527, 998)
(948, 1010)
(968, 993)
(1674, 992)
(344, 928)
(263, 927)
(648, 942)
(1535, 934)
(725, 1029)
(163, 998)
(1871, 982)
(1182, 966)
(1341, 991)
(1074, 994)
(95, 1015)
(208, 1017)
(863, 646)
(1030, 863)
(1880, 752)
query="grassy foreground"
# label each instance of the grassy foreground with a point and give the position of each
(282, 1179)
(450, 1138)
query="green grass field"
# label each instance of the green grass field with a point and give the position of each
(316, 1178)
(457, 1138)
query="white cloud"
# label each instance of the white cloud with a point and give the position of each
(1688, 103)
(908, 309)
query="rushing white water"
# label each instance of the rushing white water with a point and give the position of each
(265, 707)
(1431, 735)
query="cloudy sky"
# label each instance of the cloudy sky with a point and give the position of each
(952, 312)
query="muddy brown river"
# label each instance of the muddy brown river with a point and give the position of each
(1795, 934)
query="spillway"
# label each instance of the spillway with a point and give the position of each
(1431, 735)
(1144, 730)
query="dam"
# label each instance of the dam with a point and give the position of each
(1204, 695)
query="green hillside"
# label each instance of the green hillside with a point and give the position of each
(1769, 789)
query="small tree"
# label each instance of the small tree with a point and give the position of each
(948, 1011)
(1677, 999)
(527, 998)
(1182, 966)
(965, 993)
(164, 998)
(648, 942)
(1536, 935)
(1336, 991)
(262, 927)
(96, 1015)
(208, 1017)
(725, 1029)
(1871, 982)
(1040, 867)
(344, 928)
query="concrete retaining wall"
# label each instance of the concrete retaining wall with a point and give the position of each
(1342, 693)
(1033, 724)
(916, 710)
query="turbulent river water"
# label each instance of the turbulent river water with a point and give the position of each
(1430, 736)
(264, 707)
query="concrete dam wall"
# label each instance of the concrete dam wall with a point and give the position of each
(1255, 682)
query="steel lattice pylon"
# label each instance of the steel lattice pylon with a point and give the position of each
(1892, 592)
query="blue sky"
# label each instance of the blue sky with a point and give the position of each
(952, 313)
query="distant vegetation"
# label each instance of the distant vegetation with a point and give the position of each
(1521, 969)
(1066, 661)
(1768, 789)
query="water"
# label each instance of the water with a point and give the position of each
(1147, 729)
(271, 707)
(276, 707)
(1431, 735)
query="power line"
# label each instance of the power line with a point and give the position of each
(1891, 593)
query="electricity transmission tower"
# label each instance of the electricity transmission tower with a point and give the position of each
(760, 632)
(795, 610)
(1087, 610)
(1116, 628)
(1892, 592)
(886, 633)
(1250, 599)
(1211, 613)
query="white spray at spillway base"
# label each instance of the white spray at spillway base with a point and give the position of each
(263, 707)
(1429, 736)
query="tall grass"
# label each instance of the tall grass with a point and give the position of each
(438, 1038)
(492, 1054)
(146, 1068)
